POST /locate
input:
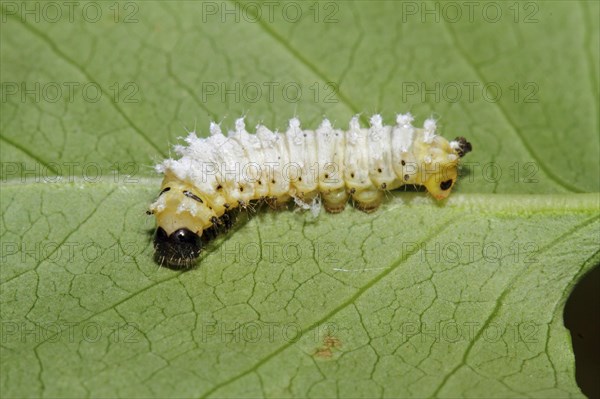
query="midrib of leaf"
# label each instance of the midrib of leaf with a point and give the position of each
(485, 203)
(31, 155)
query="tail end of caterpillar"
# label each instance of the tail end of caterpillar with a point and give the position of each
(439, 186)
(440, 183)
(180, 250)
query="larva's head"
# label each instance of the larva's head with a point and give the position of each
(177, 250)
(176, 241)
(440, 181)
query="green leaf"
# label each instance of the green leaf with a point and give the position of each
(460, 298)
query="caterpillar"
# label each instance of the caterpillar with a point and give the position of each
(216, 176)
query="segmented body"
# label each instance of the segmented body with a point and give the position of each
(218, 174)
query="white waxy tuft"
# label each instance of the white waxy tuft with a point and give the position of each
(325, 129)
(354, 125)
(427, 159)
(240, 125)
(180, 149)
(160, 168)
(404, 131)
(354, 128)
(215, 129)
(429, 127)
(186, 205)
(325, 125)
(455, 145)
(296, 132)
(452, 157)
(314, 206)
(191, 138)
(428, 137)
(268, 137)
(405, 120)
(159, 205)
(375, 133)
(294, 123)
(376, 121)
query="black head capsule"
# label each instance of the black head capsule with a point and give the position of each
(178, 250)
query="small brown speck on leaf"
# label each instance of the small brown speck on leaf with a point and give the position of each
(330, 343)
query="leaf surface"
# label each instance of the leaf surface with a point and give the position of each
(461, 298)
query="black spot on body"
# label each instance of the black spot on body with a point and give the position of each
(402, 162)
(406, 177)
(445, 185)
(164, 190)
(193, 196)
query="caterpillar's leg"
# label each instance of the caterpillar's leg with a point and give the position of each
(221, 225)
(278, 203)
(368, 200)
(335, 201)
